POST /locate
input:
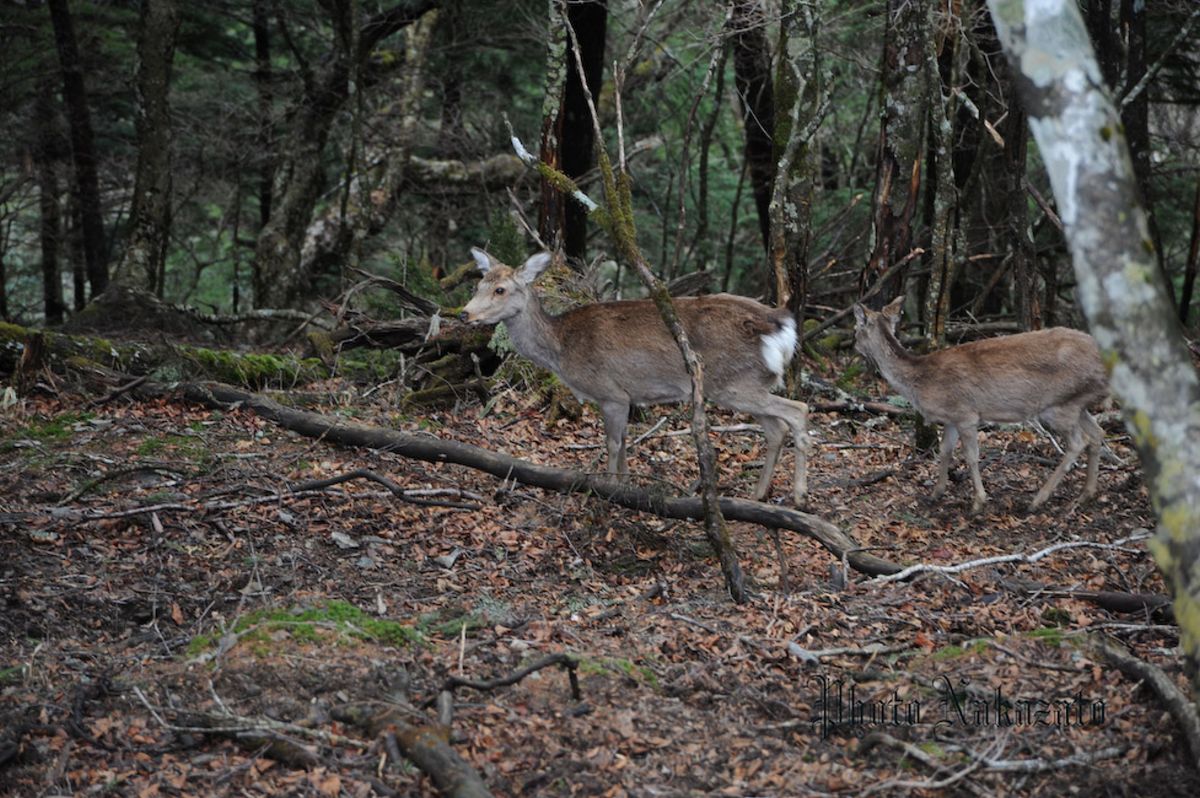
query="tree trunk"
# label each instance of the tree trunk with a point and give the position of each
(1193, 262)
(901, 134)
(1120, 287)
(143, 263)
(83, 146)
(278, 276)
(558, 48)
(798, 91)
(46, 152)
(262, 82)
(1136, 117)
(942, 201)
(589, 18)
(752, 74)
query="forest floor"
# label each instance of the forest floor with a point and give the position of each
(174, 622)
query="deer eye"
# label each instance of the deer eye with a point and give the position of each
(500, 290)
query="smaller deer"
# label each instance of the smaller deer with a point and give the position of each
(1052, 375)
(617, 354)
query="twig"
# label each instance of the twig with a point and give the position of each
(872, 650)
(1006, 558)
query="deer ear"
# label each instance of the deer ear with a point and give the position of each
(535, 266)
(483, 261)
(860, 314)
(895, 307)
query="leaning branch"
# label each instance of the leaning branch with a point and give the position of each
(435, 450)
(1176, 702)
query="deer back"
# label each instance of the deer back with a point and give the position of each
(624, 349)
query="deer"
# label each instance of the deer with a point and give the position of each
(620, 353)
(1052, 375)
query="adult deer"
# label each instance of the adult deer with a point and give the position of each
(1052, 375)
(618, 354)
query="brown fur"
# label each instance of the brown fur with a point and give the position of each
(621, 353)
(1052, 375)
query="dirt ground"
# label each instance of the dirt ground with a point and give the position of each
(175, 621)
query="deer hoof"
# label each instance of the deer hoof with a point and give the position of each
(977, 505)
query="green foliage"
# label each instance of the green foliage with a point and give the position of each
(55, 429)
(505, 241)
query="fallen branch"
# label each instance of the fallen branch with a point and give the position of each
(1176, 702)
(1006, 558)
(435, 450)
(397, 491)
(569, 663)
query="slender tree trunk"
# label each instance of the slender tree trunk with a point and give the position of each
(558, 48)
(1136, 117)
(589, 18)
(901, 133)
(83, 146)
(752, 74)
(143, 263)
(943, 199)
(75, 249)
(1018, 240)
(798, 95)
(1120, 287)
(46, 152)
(1193, 262)
(262, 82)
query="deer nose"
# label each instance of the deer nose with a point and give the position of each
(464, 316)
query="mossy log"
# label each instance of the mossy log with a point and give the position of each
(66, 354)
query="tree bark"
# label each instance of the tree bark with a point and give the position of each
(46, 152)
(1120, 287)
(942, 202)
(262, 81)
(752, 75)
(799, 90)
(589, 18)
(901, 133)
(83, 146)
(1136, 117)
(144, 259)
(1193, 262)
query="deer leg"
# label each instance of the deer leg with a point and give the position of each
(788, 412)
(949, 440)
(970, 442)
(1095, 436)
(616, 419)
(775, 431)
(1075, 443)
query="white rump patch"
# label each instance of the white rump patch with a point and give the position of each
(778, 347)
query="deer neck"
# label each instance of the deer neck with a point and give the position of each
(536, 335)
(897, 365)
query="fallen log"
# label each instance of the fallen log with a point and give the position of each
(562, 480)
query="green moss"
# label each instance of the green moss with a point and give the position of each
(11, 676)
(956, 651)
(188, 447)
(1106, 133)
(641, 674)
(56, 428)
(1051, 637)
(255, 370)
(336, 622)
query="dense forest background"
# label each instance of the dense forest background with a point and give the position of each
(234, 155)
(276, 521)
